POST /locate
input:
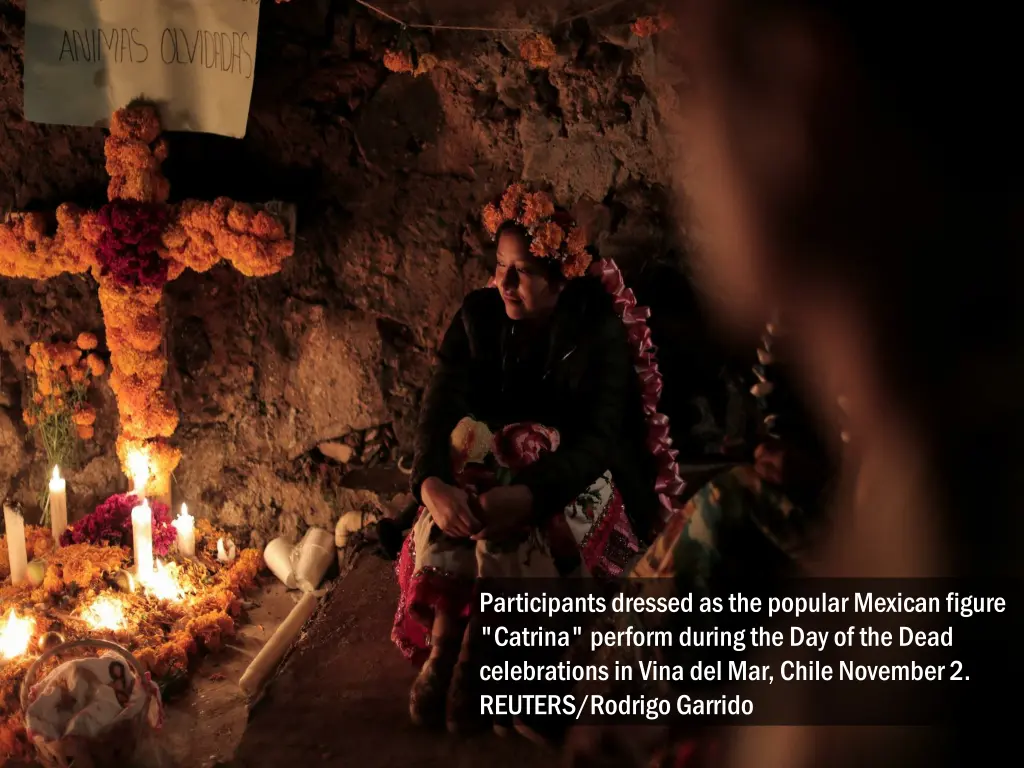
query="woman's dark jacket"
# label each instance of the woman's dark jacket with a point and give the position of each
(576, 375)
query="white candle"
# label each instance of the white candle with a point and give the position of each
(138, 466)
(142, 530)
(16, 543)
(184, 524)
(58, 504)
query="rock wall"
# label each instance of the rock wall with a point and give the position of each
(389, 172)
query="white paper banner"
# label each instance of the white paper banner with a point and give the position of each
(194, 59)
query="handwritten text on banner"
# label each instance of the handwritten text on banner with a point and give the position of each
(195, 59)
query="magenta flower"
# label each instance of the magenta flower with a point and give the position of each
(110, 524)
(129, 248)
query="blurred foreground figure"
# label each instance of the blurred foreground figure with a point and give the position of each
(862, 170)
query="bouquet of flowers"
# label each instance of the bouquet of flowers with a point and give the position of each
(482, 460)
(59, 411)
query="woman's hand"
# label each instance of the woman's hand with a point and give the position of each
(506, 510)
(449, 508)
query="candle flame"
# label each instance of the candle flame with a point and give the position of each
(138, 467)
(163, 584)
(56, 472)
(184, 513)
(16, 635)
(105, 612)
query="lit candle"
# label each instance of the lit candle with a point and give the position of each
(142, 531)
(184, 524)
(15, 523)
(58, 504)
(138, 467)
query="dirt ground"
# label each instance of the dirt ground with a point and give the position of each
(339, 699)
(203, 726)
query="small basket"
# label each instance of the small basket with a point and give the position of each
(117, 745)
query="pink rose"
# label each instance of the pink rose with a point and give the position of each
(519, 445)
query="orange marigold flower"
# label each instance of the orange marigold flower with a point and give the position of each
(29, 418)
(78, 374)
(576, 264)
(84, 415)
(576, 241)
(87, 341)
(398, 61)
(492, 219)
(146, 365)
(537, 206)
(96, 365)
(547, 240)
(61, 381)
(511, 202)
(64, 354)
(175, 269)
(158, 419)
(141, 123)
(85, 431)
(30, 363)
(538, 51)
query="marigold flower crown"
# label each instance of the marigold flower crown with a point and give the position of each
(552, 236)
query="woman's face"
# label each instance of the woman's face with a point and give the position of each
(524, 285)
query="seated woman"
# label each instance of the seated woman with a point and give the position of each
(547, 358)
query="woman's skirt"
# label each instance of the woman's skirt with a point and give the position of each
(590, 537)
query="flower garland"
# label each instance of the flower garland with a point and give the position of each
(133, 246)
(534, 211)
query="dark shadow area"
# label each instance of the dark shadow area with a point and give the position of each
(206, 167)
(702, 376)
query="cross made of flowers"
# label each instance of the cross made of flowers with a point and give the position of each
(133, 246)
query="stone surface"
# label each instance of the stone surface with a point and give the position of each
(339, 452)
(12, 452)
